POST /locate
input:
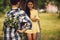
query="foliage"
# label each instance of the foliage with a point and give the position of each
(4, 5)
(41, 3)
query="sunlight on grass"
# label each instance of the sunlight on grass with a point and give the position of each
(50, 26)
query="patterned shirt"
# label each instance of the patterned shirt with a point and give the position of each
(14, 20)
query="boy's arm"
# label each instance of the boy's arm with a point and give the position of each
(28, 24)
(23, 30)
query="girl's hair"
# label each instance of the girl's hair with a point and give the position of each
(27, 10)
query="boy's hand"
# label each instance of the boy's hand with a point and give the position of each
(21, 31)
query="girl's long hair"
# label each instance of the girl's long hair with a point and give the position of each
(27, 10)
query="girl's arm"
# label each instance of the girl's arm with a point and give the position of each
(35, 18)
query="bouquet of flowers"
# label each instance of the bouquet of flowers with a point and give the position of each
(10, 21)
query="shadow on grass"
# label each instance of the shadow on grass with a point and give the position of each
(51, 36)
(1, 38)
(55, 36)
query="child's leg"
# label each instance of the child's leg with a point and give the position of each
(34, 36)
(29, 36)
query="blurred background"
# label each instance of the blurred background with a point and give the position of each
(49, 13)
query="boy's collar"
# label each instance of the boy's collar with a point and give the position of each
(15, 8)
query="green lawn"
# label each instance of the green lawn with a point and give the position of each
(50, 26)
(1, 24)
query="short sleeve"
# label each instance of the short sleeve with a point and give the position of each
(25, 19)
(29, 22)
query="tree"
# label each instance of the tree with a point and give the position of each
(41, 3)
(1, 5)
(58, 7)
(4, 5)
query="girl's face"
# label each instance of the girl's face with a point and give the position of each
(30, 5)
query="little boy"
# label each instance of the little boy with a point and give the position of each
(16, 21)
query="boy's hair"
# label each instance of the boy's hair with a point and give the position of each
(14, 2)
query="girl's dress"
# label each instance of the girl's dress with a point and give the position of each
(35, 25)
(14, 20)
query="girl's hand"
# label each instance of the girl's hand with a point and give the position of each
(34, 19)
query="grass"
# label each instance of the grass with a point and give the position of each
(50, 26)
(1, 25)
